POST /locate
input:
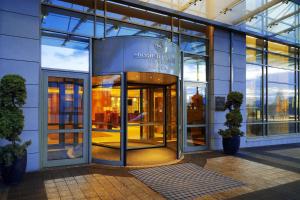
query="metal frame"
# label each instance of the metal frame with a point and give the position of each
(45, 131)
(184, 113)
(264, 90)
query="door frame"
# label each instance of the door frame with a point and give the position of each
(44, 116)
(185, 125)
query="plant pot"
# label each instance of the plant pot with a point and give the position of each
(231, 145)
(13, 174)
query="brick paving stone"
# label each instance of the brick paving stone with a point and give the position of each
(263, 180)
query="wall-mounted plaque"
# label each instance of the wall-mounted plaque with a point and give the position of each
(219, 103)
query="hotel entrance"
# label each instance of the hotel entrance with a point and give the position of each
(134, 102)
(150, 119)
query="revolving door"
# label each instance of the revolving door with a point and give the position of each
(124, 131)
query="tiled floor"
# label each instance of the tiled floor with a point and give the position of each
(264, 178)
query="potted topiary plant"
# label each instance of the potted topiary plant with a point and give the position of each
(13, 156)
(231, 135)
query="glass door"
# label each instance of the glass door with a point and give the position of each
(146, 116)
(65, 132)
(195, 128)
(107, 128)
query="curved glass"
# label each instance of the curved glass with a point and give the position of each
(106, 117)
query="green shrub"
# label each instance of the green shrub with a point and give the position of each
(234, 117)
(12, 99)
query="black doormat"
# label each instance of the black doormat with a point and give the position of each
(184, 181)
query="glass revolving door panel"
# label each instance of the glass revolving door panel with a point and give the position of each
(146, 116)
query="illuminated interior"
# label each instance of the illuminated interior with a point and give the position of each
(65, 118)
(151, 117)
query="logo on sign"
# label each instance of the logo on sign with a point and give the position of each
(163, 58)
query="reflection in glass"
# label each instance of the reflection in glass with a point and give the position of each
(281, 49)
(281, 102)
(65, 145)
(59, 51)
(65, 103)
(195, 94)
(83, 6)
(138, 16)
(106, 117)
(115, 28)
(254, 42)
(281, 75)
(254, 56)
(193, 45)
(67, 21)
(281, 128)
(196, 136)
(195, 104)
(254, 93)
(194, 68)
(279, 61)
(254, 130)
(192, 28)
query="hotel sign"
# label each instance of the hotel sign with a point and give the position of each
(136, 54)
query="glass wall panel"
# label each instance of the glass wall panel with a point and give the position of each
(83, 6)
(99, 27)
(196, 104)
(281, 102)
(115, 28)
(280, 61)
(60, 51)
(70, 148)
(281, 75)
(194, 68)
(146, 115)
(196, 136)
(65, 103)
(193, 45)
(65, 119)
(106, 98)
(106, 117)
(254, 56)
(254, 130)
(138, 16)
(254, 93)
(279, 85)
(171, 115)
(281, 49)
(281, 128)
(67, 21)
(106, 145)
(192, 28)
(255, 42)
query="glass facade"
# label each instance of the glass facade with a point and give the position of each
(272, 93)
(67, 28)
(68, 25)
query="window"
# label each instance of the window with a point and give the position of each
(60, 51)
(272, 88)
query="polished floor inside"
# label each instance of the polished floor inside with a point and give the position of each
(137, 157)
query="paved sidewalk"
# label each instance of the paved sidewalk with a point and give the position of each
(274, 178)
